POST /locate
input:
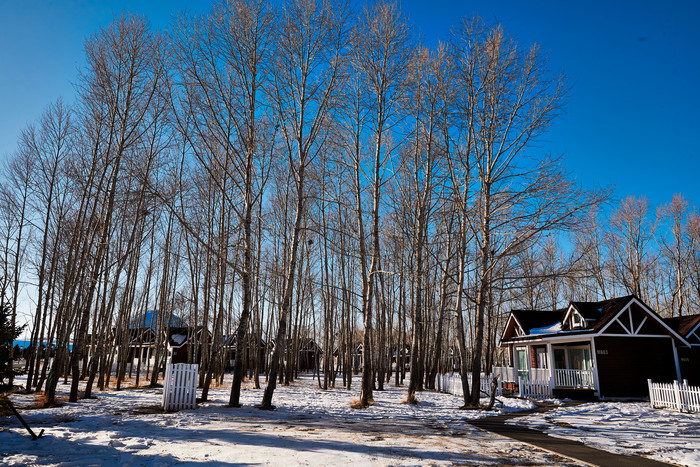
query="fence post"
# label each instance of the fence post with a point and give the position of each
(166, 385)
(520, 387)
(551, 382)
(651, 392)
(677, 392)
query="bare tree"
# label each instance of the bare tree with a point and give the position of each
(381, 54)
(510, 98)
(308, 71)
(674, 251)
(629, 243)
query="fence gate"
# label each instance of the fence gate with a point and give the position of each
(180, 388)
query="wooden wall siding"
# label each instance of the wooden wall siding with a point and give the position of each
(623, 371)
(652, 328)
(180, 354)
(689, 361)
(615, 328)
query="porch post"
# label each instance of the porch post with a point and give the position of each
(594, 360)
(675, 358)
(550, 366)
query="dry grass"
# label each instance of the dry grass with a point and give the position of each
(4, 410)
(356, 404)
(41, 401)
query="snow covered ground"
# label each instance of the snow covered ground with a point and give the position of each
(626, 428)
(309, 427)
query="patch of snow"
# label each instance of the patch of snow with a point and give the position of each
(178, 339)
(626, 428)
(556, 327)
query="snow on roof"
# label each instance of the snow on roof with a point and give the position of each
(179, 338)
(556, 327)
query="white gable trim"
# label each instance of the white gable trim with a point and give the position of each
(568, 312)
(636, 331)
(696, 331)
(616, 318)
(517, 326)
(696, 334)
(650, 314)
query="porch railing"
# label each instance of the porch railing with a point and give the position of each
(562, 378)
(574, 379)
(508, 373)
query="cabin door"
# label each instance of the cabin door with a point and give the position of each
(523, 367)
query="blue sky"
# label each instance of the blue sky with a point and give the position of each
(631, 119)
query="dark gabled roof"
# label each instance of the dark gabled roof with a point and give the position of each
(537, 319)
(683, 325)
(599, 314)
(141, 336)
(603, 311)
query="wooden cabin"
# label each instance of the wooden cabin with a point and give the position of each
(184, 341)
(605, 349)
(263, 352)
(146, 330)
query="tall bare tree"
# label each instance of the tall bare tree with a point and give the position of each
(510, 99)
(629, 243)
(308, 71)
(382, 50)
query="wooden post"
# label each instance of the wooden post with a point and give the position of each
(651, 392)
(520, 387)
(8, 403)
(550, 366)
(677, 392)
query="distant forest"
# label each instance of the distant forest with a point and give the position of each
(306, 172)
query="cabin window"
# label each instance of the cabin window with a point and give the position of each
(577, 321)
(572, 358)
(579, 358)
(541, 354)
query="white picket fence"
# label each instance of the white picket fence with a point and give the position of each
(677, 396)
(452, 384)
(180, 389)
(505, 373)
(533, 389)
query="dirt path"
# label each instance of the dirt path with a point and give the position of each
(565, 447)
